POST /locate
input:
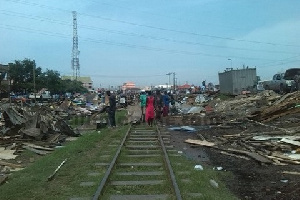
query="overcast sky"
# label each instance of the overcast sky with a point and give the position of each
(143, 40)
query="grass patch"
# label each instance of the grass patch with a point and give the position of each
(91, 148)
(31, 183)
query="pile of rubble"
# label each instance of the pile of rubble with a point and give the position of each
(40, 129)
(255, 127)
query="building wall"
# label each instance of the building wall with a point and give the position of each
(225, 80)
(236, 81)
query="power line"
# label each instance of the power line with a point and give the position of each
(39, 18)
(170, 51)
(154, 27)
(142, 76)
(280, 62)
(156, 14)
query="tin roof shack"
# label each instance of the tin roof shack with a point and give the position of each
(234, 81)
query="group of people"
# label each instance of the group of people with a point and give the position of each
(154, 106)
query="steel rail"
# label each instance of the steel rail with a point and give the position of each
(112, 164)
(167, 160)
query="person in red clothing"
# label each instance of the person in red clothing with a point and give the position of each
(150, 109)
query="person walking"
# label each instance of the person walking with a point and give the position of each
(166, 102)
(158, 105)
(150, 109)
(111, 109)
(143, 98)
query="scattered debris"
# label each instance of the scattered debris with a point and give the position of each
(213, 183)
(198, 167)
(3, 178)
(52, 175)
(7, 154)
(199, 142)
(183, 128)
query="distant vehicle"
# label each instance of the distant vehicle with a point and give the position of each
(260, 86)
(15, 98)
(45, 96)
(282, 82)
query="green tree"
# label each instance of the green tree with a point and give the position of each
(72, 86)
(51, 80)
(21, 75)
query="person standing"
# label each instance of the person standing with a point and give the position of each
(158, 103)
(143, 98)
(111, 110)
(166, 102)
(297, 83)
(150, 109)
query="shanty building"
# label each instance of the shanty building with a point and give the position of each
(129, 87)
(235, 81)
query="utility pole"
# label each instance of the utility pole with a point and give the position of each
(75, 52)
(169, 74)
(34, 85)
(174, 83)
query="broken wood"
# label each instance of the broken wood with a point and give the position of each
(292, 173)
(284, 160)
(289, 141)
(234, 155)
(38, 147)
(253, 155)
(40, 152)
(54, 138)
(52, 176)
(232, 135)
(10, 164)
(200, 142)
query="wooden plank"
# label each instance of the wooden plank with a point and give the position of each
(10, 164)
(52, 175)
(292, 173)
(139, 197)
(141, 164)
(253, 155)
(126, 183)
(200, 142)
(141, 173)
(234, 155)
(40, 152)
(38, 147)
(293, 142)
(284, 160)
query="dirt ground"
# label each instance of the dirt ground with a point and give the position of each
(251, 179)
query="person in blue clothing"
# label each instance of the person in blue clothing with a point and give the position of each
(166, 102)
(143, 98)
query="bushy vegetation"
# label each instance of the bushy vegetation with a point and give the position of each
(25, 76)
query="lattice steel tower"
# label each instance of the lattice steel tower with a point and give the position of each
(75, 52)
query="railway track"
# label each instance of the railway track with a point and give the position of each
(140, 169)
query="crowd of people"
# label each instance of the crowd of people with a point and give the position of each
(154, 106)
